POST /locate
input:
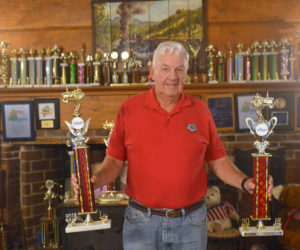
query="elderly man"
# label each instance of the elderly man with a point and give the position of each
(166, 136)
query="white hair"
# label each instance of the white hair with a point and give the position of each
(172, 47)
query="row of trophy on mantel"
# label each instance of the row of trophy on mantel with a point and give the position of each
(53, 66)
(262, 61)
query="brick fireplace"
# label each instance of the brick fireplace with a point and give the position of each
(29, 165)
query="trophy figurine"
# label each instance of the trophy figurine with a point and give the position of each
(194, 48)
(83, 170)
(114, 57)
(125, 56)
(261, 129)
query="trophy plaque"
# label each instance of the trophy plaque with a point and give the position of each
(83, 171)
(261, 129)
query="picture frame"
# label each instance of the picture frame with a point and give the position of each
(297, 112)
(222, 110)
(244, 109)
(139, 26)
(285, 115)
(18, 121)
(47, 113)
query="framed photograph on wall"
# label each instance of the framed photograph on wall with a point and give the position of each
(244, 109)
(17, 121)
(222, 109)
(139, 26)
(297, 112)
(47, 113)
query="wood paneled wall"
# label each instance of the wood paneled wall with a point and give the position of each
(68, 23)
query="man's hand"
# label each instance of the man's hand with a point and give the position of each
(250, 186)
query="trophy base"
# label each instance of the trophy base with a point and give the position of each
(267, 231)
(82, 227)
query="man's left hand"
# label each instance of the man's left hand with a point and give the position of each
(250, 186)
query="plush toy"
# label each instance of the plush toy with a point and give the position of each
(219, 214)
(289, 196)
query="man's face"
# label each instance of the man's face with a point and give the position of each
(169, 75)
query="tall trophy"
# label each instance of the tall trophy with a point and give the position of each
(194, 48)
(31, 67)
(14, 68)
(239, 63)
(261, 129)
(49, 67)
(264, 57)
(256, 75)
(4, 63)
(273, 61)
(83, 169)
(230, 66)
(115, 77)
(284, 59)
(221, 67)
(125, 57)
(210, 63)
(23, 80)
(56, 64)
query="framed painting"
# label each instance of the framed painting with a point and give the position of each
(47, 113)
(17, 121)
(222, 109)
(139, 26)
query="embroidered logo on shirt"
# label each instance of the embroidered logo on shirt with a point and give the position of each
(191, 127)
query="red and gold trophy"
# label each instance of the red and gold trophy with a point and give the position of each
(83, 170)
(261, 129)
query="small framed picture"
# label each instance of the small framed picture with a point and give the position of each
(244, 109)
(17, 121)
(297, 112)
(222, 109)
(47, 113)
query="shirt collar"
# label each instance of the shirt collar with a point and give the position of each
(152, 103)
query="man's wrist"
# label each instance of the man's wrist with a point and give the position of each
(243, 184)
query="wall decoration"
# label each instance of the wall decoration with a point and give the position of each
(47, 113)
(297, 112)
(17, 121)
(222, 109)
(139, 26)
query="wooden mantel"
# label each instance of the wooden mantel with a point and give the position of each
(102, 103)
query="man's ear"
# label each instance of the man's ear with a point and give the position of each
(151, 71)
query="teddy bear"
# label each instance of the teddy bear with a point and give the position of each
(219, 213)
(289, 197)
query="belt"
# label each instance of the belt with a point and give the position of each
(170, 213)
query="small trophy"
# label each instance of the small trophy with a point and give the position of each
(89, 69)
(292, 62)
(125, 56)
(83, 169)
(239, 63)
(65, 69)
(133, 66)
(31, 67)
(97, 68)
(264, 57)
(81, 66)
(273, 61)
(284, 56)
(261, 129)
(210, 63)
(106, 69)
(256, 75)
(230, 66)
(23, 80)
(49, 67)
(14, 68)
(56, 64)
(115, 77)
(50, 223)
(39, 65)
(221, 66)
(248, 65)
(73, 67)
(194, 48)
(4, 63)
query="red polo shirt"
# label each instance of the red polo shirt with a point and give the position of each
(166, 152)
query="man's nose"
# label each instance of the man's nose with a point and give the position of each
(173, 74)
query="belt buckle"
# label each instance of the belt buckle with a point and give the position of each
(171, 213)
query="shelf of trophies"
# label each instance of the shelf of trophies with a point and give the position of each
(265, 66)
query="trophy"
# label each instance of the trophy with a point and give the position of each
(248, 65)
(284, 58)
(256, 75)
(81, 66)
(114, 56)
(194, 48)
(264, 60)
(239, 63)
(89, 69)
(124, 56)
(97, 68)
(298, 55)
(220, 57)
(4, 63)
(50, 224)
(56, 64)
(23, 67)
(273, 59)
(292, 62)
(49, 67)
(83, 169)
(31, 66)
(14, 68)
(261, 129)
(230, 66)
(133, 67)
(106, 69)
(210, 62)
(64, 68)
(73, 67)
(39, 65)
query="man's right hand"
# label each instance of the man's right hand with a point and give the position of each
(75, 185)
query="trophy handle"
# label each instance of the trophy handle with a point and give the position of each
(249, 123)
(273, 122)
